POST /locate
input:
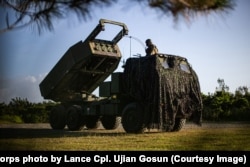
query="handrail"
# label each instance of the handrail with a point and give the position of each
(100, 27)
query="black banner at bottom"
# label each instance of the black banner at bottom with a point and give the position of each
(154, 158)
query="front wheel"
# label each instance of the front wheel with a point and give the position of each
(132, 118)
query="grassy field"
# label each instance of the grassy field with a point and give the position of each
(227, 138)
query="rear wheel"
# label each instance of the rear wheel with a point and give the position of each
(74, 119)
(92, 122)
(132, 118)
(179, 123)
(110, 122)
(57, 117)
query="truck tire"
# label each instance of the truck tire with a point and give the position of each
(92, 122)
(179, 123)
(132, 118)
(57, 117)
(110, 122)
(74, 119)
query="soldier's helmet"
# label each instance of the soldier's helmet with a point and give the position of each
(148, 41)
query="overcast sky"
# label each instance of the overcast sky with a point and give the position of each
(216, 46)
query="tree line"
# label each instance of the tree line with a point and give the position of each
(225, 106)
(22, 111)
(218, 106)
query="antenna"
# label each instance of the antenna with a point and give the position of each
(130, 45)
(138, 40)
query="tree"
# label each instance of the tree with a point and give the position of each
(41, 14)
(222, 86)
(242, 91)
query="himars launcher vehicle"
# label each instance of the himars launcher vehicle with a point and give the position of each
(159, 91)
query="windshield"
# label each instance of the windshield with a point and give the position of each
(168, 63)
(184, 66)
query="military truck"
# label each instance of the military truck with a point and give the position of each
(160, 91)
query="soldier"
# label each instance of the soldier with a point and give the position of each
(151, 48)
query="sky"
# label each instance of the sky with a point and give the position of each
(217, 46)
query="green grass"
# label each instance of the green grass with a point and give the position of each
(187, 139)
(4, 119)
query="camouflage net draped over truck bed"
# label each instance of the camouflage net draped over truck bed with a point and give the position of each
(165, 93)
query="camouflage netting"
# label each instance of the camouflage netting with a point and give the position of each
(163, 92)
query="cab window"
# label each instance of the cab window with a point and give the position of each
(184, 66)
(165, 64)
